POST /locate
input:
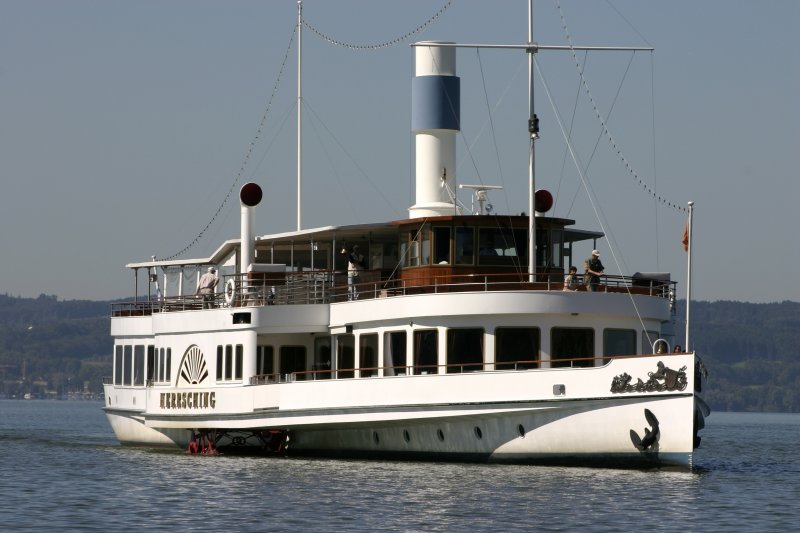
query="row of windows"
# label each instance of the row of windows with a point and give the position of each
(515, 348)
(493, 246)
(229, 362)
(131, 368)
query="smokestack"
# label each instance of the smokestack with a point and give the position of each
(249, 197)
(435, 120)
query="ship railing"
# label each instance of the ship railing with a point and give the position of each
(324, 286)
(453, 368)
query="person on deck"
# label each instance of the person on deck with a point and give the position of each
(207, 287)
(355, 263)
(571, 279)
(593, 269)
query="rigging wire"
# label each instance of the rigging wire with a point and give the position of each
(352, 159)
(248, 154)
(377, 46)
(634, 175)
(600, 135)
(571, 125)
(585, 183)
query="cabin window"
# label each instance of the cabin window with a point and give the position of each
(368, 355)
(569, 344)
(441, 246)
(238, 358)
(160, 364)
(502, 246)
(322, 358)
(345, 356)
(151, 363)
(138, 364)
(648, 338)
(168, 365)
(465, 246)
(118, 365)
(426, 351)
(293, 362)
(228, 362)
(464, 350)
(265, 360)
(516, 348)
(394, 353)
(619, 342)
(127, 365)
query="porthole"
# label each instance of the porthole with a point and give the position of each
(376, 438)
(478, 432)
(440, 434)
(406, 436)
(521, 430)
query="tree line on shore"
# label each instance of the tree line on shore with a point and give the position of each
(752, 351)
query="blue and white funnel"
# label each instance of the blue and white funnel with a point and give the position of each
(435, 120)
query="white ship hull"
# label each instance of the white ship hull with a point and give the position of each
(516, 416)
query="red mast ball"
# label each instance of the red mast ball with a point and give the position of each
(544, 201)
(251, 194)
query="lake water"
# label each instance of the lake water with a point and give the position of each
(62, 470)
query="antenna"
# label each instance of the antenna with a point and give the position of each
(479, 193)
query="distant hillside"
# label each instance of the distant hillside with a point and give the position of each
(752, 351)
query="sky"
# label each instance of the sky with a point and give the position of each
(124, 125)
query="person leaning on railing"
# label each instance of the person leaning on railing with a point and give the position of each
(593, 269)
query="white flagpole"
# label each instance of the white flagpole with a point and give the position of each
(689, 278)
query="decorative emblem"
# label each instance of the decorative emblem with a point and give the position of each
(663, 379)
(651, 434)
(193, 369)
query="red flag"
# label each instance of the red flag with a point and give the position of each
(685, 239)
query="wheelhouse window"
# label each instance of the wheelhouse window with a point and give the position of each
(322, 358)
(394, 353)
(619, 342)
(465, 246)
(426, 351)
(502, 246)
(441, 246)
(419, 247)
(345, 356)
(265, 360)
(293, 362)
(368, 355)
(569, 344)
(464, 350)
(516, 348)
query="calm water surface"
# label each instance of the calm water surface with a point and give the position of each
(61, 469)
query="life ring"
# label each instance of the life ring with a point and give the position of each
(230, 291)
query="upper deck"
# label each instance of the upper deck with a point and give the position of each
(475, 253)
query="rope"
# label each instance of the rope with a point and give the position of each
(377, 46)
(247, 155)
(605, 129)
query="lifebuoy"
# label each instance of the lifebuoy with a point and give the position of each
(230, 291)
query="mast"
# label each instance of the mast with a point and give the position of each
(533, 129)
(299, 111)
